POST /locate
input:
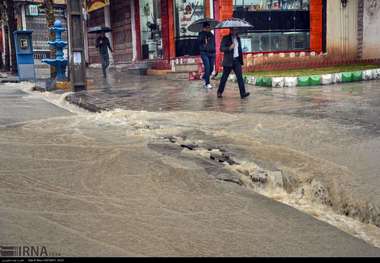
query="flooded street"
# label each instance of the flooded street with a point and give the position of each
(171, 170)
(331, 133)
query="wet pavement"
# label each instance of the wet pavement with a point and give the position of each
(354, 104)
(111, 184)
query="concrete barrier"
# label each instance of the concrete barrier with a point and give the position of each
(278, 82)
(315, 80)
(290, 81)
(267, 82)
(251, 80)
(232, 77)
(346, 77)
(357, 76)
(367, 74)
(303, 81)
(337, 78)
(376, 73)
(327, 79)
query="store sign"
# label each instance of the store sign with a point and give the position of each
(32, 10)
(58, 2)
(93, 5)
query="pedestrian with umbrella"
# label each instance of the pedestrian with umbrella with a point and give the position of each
(206, 41)
(103, 44)
(233, 54)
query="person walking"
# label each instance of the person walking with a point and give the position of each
(206, 41)
(103, 44)
(233, 60)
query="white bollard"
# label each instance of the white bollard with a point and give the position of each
(376, 73)
(367, 74)
(327, 79)
(278, 82)
(251, 80)
(232, 77)
(290, 82)
(337, 78)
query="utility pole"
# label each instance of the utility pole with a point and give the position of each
(50, 18)
(77, 61)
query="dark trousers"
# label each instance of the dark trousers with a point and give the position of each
(208, 62)
(105, 63)
(239, 76)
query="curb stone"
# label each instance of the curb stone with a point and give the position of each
(312, 80)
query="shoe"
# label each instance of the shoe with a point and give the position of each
(220, 95)
(245, 95)
(209, 86)
(214, 76)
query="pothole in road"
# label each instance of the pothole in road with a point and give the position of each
(312, 197)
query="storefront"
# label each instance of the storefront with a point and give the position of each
(161, 27)
(117, 15)
(279, 25)
(156, 30)
(151, 29)
(186, 12)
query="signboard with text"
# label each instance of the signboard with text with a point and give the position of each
(93, 5)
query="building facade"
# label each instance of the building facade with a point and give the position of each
(286, 33)
(31, 15)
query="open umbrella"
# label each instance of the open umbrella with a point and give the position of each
(197, 26)
(234, 23)
(99, 29)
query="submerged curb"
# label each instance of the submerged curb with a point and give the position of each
(312, 80)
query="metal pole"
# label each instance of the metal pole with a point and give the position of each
(77, 51)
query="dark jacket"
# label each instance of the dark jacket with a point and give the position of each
(206, 42)
(228, 53)
(103, 44)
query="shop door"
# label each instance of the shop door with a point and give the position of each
(121, 30)
(186, 12)
(151, 29)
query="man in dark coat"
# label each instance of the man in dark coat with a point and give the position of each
(233, 60)
(103, 44)
(206, 41)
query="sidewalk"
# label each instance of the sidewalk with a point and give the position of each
(155, 93)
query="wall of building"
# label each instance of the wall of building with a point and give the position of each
(371, 29)
(120, 20)
(96, 18)
(121, 30)
(342, 30)
(316, 25)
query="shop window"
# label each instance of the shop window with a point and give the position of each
(279, 25)
(186, 12)
(151, 34)
(275, 41)
(262, 5)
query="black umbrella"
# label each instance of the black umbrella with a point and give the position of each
(197, 26)
(234, 23)
(99, 29)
